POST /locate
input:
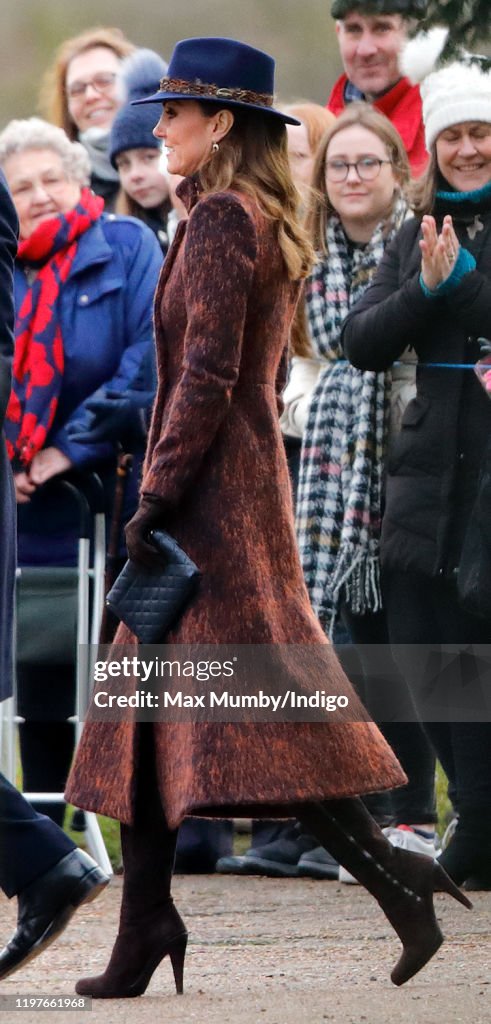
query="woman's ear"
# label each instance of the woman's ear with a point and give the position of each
(223, 122)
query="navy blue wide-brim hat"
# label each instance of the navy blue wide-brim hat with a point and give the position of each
(223, 71)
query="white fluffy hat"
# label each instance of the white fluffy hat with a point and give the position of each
(455, 92)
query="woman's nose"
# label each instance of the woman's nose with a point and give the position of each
(352, 174)
(91, 92)
(159, 131)
(39, 192)
(467, 146)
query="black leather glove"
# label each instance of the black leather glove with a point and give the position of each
(149, 516)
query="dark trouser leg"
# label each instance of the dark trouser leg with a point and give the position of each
(30, 843)
(46, 698)
(46, 750)
(150, 926)
(414, 803)
(401, 882)
(423, 614)
(386, 695)
(201, 843)
(469, 851)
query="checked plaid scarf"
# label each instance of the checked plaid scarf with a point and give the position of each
(342, 464)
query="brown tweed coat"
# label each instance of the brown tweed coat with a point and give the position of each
(215, 456)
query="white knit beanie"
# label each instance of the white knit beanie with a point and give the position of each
(456, 92)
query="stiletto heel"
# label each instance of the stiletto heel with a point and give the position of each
(138, 951)
(402, 882)
(443, 883)
(177, 954)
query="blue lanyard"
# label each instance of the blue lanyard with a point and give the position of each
(439, 366)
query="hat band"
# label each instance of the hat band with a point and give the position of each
(209, 91)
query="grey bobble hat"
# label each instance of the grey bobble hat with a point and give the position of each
(133, 125)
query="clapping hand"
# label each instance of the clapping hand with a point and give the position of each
(439, 252)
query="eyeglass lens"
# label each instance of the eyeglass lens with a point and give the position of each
(101, 83)
(367, 168)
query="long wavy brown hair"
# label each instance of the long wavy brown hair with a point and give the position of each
(253, 158)
(320, 209)
(363, 115)
(53, 101)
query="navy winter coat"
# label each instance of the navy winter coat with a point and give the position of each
(106, 308)
(8, 249)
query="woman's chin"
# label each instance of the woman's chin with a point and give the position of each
(471, 182)
(36, 221)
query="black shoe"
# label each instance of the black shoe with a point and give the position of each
(478, 883)
(280, 858)
(46, 905)
(234, 865)
(318, 863)
(78, 822)
(468, 854)
(239, 864)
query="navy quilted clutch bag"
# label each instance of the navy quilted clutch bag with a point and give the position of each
(151, 601)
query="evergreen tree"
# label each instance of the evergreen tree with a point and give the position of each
(469, 21)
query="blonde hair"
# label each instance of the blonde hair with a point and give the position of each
(362, 114)
(34, 133)
(320, 209)
(317, 120)
(253, 158)
(53, 100)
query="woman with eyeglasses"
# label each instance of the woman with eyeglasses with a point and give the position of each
(84, 284)
(434, 291)
(346, 418)
(82, 93)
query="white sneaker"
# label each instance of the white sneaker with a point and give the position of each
(449, 831)
(406, 839)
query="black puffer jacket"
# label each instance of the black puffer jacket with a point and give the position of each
(434, 463)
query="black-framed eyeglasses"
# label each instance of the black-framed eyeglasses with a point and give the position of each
(103, 82)
(367, 168)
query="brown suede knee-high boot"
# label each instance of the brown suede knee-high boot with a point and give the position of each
(150, 927)
(403, 883)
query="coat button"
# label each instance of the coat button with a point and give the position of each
(461, 456)
(440, 572)
(84, 300)
(470, 339)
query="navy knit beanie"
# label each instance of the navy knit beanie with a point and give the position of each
(132, 127)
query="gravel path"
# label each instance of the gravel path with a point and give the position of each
(263, 951)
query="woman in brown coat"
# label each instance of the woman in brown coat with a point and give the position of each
(216, 478)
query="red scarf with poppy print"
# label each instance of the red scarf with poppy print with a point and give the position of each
(38, 356)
